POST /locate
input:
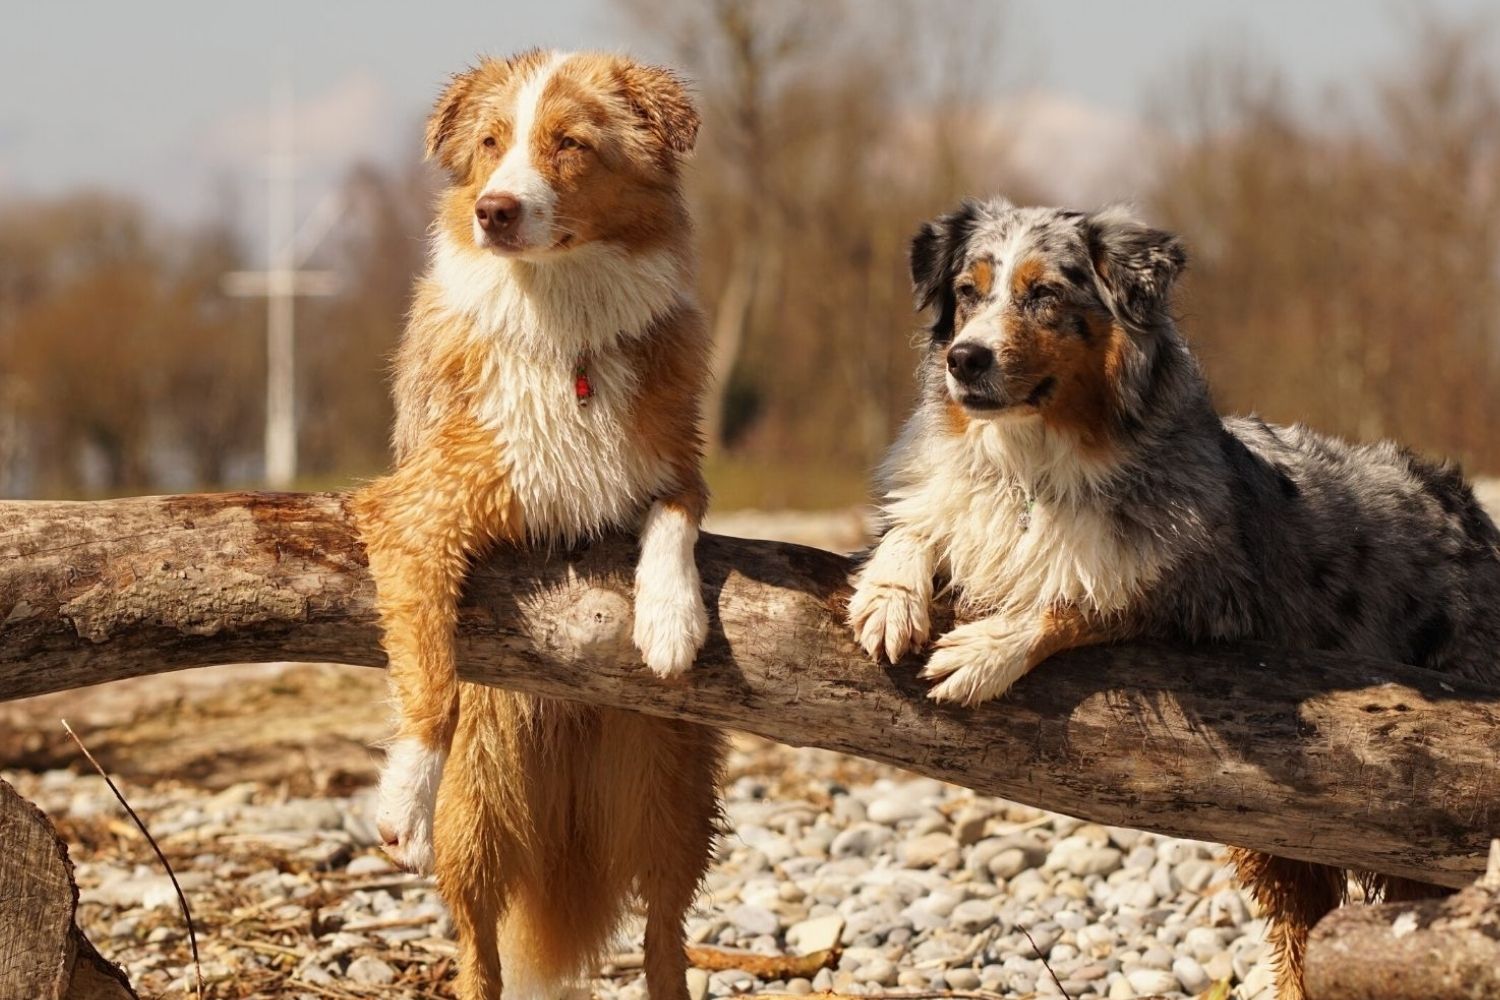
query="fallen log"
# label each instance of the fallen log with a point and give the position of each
(1435, 949)
(1339, 760)
(43, 954)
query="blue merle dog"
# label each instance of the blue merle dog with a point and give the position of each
(1067, 475)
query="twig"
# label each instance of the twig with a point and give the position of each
(1045, 964)
(187, 914)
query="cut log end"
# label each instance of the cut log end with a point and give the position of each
(42, 952)
(1436, 949)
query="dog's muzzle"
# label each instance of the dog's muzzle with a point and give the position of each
(978, 381)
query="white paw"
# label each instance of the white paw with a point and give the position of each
(978, 661)
(890, 618)
(407, 800)
(670, 628)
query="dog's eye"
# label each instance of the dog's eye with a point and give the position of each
(568, 142)
(1042, 295)
(967, 291)
(489, 142)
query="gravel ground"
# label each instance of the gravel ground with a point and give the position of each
(922, 886)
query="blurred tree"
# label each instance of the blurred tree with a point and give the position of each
(830, 131)
(346, 341)
(1346, 268)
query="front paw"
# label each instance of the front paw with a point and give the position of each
(889, 618)
(669, 630)
(406, 802)
(977, 661)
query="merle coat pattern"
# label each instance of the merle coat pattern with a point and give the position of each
(1067, 478)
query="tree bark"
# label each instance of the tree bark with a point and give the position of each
(1343, 761)
(42, 953)
(1436, 949)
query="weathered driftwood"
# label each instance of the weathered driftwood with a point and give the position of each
(1349, 762)
(1439, 949)
(42, 952)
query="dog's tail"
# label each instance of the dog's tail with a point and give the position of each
(553, 936)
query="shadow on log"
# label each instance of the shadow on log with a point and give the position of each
(42, 952)
(1344, 761)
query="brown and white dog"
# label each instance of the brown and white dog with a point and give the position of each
(547, 390)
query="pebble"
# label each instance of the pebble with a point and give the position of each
(815, 934)
(1151, 981)
(925, 886)
(930, 850)
(370, 971)
(1190, 974)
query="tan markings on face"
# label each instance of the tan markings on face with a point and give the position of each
(1080, 350)
(982, 274)
(955, 417)
(1027, 273)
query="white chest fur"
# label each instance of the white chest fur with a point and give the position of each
(574, 469)
(1002, 545)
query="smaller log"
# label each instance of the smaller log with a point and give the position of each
(1436, 949)
(43, 954)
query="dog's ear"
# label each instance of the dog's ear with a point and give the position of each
(444, 121)
(451, 112)
(937, 253)
(1134, 265)
(659, 98)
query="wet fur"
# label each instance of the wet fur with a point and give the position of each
(1113, 502)
(551, 817)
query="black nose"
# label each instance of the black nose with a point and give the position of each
(968, 361)
(497, 213)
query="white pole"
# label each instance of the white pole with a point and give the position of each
(281, 373)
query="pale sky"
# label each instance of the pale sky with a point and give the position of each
(167, 99)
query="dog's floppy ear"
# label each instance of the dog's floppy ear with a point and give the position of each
(660, 99)
(446, 115)
(937, 253)
(1134, 265)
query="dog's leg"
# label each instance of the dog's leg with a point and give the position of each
(1294, 895)
(980, 660)
(420, 526)
(670, 619)
(674, 847)
(890, 611)
(471, 876)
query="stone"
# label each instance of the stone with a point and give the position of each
(1148, 982)
(370, 971)
(972, 915)
(370, 864)
(697, 984)
(861, 840)
(753, 920)
(1190, 974)
(1009, 863)
(961, 979)
(881, 971)
(1079, 855)
(815, 934)
(930, 850)
(969, 825)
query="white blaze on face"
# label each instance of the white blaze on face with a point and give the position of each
(517, 174)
